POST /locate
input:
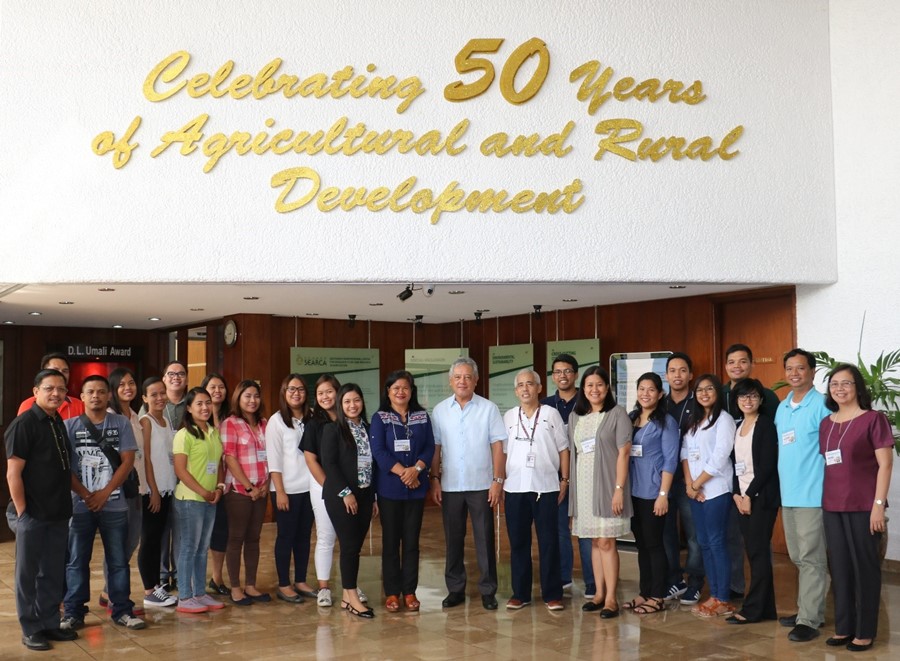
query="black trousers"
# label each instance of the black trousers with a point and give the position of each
(351, 531)
(855, 573)
(756, 529)
(293, 538)
(455, 507)
(152, 527)
(40, 572)
(401, 524)
(653, 564)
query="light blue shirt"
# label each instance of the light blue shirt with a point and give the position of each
(801, 469)
(465, 436)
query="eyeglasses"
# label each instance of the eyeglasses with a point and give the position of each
(705, 389)
(62, 390)
(752, 397)
(293, 390)
(564, 372)
(841, 385)
(176, 375)
(463, 377)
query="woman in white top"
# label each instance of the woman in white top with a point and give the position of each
(160, 483)
(290, 490)
(708, 475)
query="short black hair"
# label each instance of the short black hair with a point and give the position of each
(748, 386)
(56, 355)
(95, 377)
(739, 347)
(566, 358)
(683, 356)
(810, 358)
(43, 374)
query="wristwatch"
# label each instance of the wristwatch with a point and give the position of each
(418, 468)
(498, 480)
(663, 493)
(879, 502)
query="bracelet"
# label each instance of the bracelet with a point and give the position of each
(564, 479)
(344, 492)
(435, 477)
(221, 486)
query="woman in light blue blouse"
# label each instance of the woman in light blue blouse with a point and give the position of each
(654, 459)
(708, 474)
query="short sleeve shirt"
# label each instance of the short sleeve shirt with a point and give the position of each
(465, 436)
(801, 468)
(91, 466)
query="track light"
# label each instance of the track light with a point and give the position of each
(478, 314)
(406, 294)
(352, 320)
(537, 311)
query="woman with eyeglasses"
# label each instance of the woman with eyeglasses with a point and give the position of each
(708, 474)
(858, 447)
(290, 489)
(403, 446)
(600, 443)
(215, 385)
(757, 496)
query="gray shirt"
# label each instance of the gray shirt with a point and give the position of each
(91, 466)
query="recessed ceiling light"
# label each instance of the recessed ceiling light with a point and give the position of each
(677, 287)
(9, 323)
(376, 305)
(251, 298)
(153, 319)
(570, 300)
(197, 309)
(117, 326)
(67, 302)
(456, 292)
(106, 289)
(312, 314)
(482, 311)
(35, 314)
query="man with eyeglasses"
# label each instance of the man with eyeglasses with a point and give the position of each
(537, 454)
(564, 373)
(801, 470)
(467, 474)
(70, 408)
(39, 477)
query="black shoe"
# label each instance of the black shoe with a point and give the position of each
(856, 647)
(839, 641)
(218, 589)
(788, 621)
(262, 598)
(294, 599)
(489, 602)
(608, 613)
(60, 634)
(591, 607)
(36, 641)
(735, 595)
(803, 634)
(731, 619)
(454, 599)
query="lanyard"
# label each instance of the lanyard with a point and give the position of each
(522, 422)
(405, 425)
(841, 437)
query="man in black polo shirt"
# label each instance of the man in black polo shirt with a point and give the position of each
(39, 476)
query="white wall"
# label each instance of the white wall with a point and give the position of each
(72, 70)
(865, 65)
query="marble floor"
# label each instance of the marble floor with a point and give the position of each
(286, 631)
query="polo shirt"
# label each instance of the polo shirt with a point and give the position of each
(562, 407)
(545, 437)
(465, 436)
(801, 469)
(91, 466)
(41, 441)
(203, 458)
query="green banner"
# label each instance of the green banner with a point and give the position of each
(503, 364)
(359, 366)
(431, 369)
(586, 352)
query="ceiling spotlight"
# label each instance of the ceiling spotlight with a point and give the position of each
(117, 326)
(67, 302)
(677, 287)
(8, 323)
(406, 294)
(197, 309)
(570, 300)
(312, 314)
(478, 314)
(376, 305)
(34, 314)
(352, 320)
(106, 289)
(153, 319)
(251, 298)
(456, 292)
(537, 311)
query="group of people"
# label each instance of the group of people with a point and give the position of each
(711, 462)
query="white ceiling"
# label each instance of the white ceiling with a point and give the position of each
(131, 305)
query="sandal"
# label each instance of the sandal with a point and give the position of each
(392, 604)
(634, 603)
(412, 604)
(652, 605)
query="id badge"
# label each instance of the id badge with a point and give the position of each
(588, 445)
(530, 458)
(115, 494)
(788, 437)
(90, 461)
(694, 454)
(261, 455)
(740, 468)
(637, 450)
(211, 467)
(171, 459)
(402, 445)
(832, 457)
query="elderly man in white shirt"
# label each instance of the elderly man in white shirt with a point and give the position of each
(537, 448)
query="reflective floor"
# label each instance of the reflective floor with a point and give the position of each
(286, 631)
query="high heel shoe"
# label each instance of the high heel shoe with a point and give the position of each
(367, 614)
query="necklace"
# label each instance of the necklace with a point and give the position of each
(60, 446)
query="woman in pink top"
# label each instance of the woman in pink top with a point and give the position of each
(247, 477)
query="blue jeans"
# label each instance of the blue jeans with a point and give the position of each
(565, 548)
(680, 508)
(113, 527)
(195, 523)
(711, 524)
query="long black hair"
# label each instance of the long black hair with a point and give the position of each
(342, 421)
(659, 413)
(115, 379)
(188, 420)
(225, 406)
(698, 415)
(317, 411)
(582, 405)
(286, 414)
(392, 378)
(260, 414)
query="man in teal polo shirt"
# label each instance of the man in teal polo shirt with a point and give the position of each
(801, 470)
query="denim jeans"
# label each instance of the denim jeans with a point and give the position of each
(113, 527)
(711, 523)
(195, 523)
(566, 559)
(680, 508)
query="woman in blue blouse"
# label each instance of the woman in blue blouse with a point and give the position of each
(654, 458)
(403, 446)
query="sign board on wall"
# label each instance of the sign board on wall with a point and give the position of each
(586, 352)
(503, 363)
(431, 369)
(360, 366)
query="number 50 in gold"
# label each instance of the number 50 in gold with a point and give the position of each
(460, 91)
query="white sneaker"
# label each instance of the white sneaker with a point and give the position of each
(159, 597)
(362, 596)
(323, 597)
(130, 621)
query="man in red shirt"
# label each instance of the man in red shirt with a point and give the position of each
(70, 408)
